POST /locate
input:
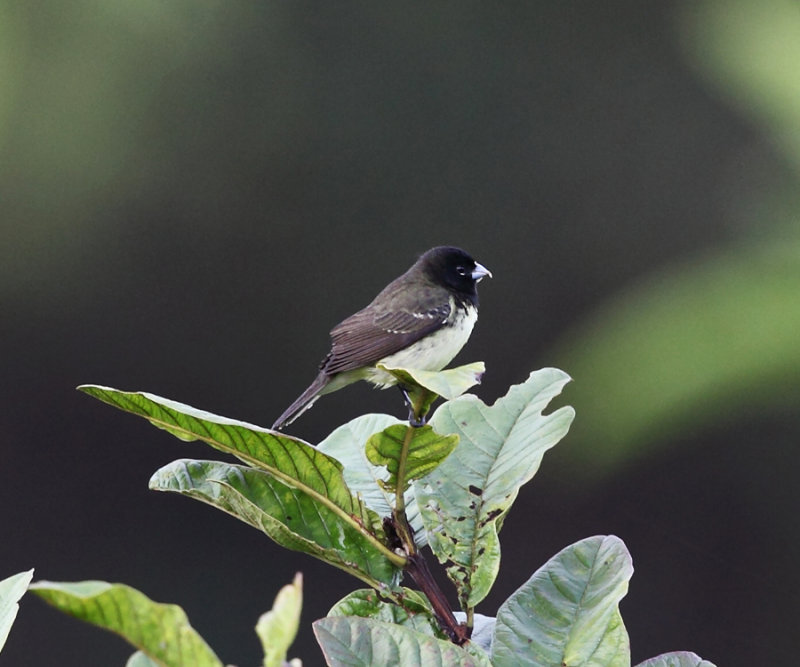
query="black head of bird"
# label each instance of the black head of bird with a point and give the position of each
(420, 320)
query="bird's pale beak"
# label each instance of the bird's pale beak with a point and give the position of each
(480, 272)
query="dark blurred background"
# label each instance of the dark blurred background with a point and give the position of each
(193, 192)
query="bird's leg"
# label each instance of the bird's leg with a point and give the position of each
(412, 413)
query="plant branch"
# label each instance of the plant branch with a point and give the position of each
(416, 565)
(420, 572)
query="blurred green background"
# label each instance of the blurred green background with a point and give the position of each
(192, 192)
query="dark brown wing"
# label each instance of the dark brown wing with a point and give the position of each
(389, 324)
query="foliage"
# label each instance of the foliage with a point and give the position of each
(585, 582)
(278, 627)
(11, 590)
(464, 501)
(161, 631)
(365, 501)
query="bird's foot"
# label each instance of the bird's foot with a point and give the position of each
(415, 421)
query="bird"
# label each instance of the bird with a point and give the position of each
(420, 320)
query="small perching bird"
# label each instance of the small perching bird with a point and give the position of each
(420, 320)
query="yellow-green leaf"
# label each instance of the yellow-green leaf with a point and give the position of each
(11, 590)
(408, 451)
(278, 627)
(464, 500)
(161, 631)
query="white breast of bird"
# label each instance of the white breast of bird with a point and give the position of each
(434, 351)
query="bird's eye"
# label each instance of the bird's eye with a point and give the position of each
(461, 270)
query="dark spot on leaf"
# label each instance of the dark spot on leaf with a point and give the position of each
(493, 514)
(474, 490)
(461, 518)
(288, 517)
(481, 551)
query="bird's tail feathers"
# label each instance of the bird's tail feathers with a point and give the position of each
(303, 403)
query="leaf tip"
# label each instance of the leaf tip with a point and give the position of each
(95, 390)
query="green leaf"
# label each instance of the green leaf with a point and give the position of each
(412, 611)
(464, 500)
(11, 590)
(413, 452)
(278, 627)
(162, 631)
(676, 659)
(292, 517)
(289, 459)
(361, 642)
(347, 444)
(449, 383)
(567, 613)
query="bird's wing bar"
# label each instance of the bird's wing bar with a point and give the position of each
(365, 337)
